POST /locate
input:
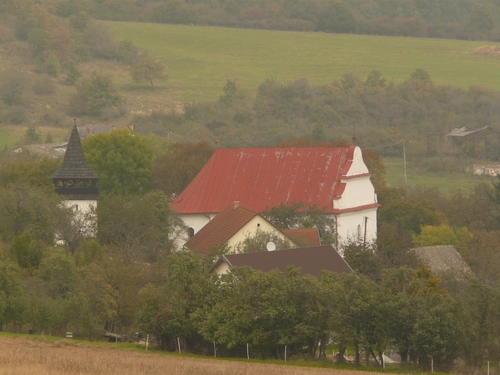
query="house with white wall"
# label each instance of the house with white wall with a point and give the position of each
(311, 261)
(333, 179)
(232, 227)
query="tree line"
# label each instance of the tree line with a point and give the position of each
(379, 113)
(466, 19)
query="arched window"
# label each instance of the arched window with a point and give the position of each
(190, 232)
(359, 232)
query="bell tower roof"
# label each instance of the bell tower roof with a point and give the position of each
(74, 165)
(75, 179)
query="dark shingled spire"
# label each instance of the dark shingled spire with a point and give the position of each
(74, 165)
(75, 178)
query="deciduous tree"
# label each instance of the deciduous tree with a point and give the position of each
(173, 171)
(94, 93)
(143, 228)
(122, 159)
(148, 69)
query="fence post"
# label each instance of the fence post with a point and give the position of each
(147, 341)
(215, 350)
(432, 364)
(248, 353)
(488, 367)
(285, 353)
(179, 344)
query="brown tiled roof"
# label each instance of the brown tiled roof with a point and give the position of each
(311, 260)
(74, 165)
(303, 236)
(220, 229)
(443, 258)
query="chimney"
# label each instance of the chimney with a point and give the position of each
(88, 131)
(236, 204)
(131, 127)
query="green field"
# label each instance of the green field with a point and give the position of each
(446, 182)
(199, 60)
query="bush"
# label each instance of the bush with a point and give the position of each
(94, 94)
(12, 86)
(99, 40)
(127, 52)
(16, 114)
(53, 118)
(44, 85)
(73, 74)
(111, 113)
(52, 65)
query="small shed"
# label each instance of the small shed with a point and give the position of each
(444, 259)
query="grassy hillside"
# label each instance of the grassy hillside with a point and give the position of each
(446, 182)
(199, 60)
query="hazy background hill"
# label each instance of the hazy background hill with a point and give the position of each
(245, 87)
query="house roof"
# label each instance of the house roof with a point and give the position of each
(311, 260)
(221, 228)
(443, 258)
(74, 165)
(46, 150)
(464, 132)
(303, 236)
(261, 178)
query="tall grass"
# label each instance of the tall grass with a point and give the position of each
(200, 59)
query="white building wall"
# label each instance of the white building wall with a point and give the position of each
(351, 227)
(196, 221)
(358, 166)
(82, 206)
(359, 191)
(222, 269)
(258, 223)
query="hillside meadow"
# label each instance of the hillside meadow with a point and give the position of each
(445, 181)
(25, 356)
(200, 59)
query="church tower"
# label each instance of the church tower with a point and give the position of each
(75, 180)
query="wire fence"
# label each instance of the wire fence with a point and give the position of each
(286, 353)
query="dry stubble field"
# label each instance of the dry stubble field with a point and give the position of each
(23, 356)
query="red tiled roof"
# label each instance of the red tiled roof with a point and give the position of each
(261, 178)
(355, 209)
(311, 260)
(220, 229)
(303, 236)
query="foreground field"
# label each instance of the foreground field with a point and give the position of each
(23, 356)
(199, 59)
